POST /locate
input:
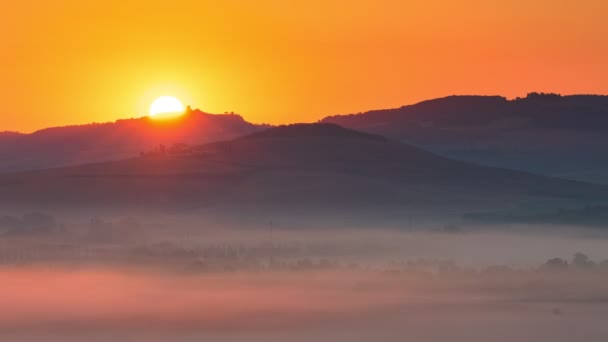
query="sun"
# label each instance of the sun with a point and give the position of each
(166, 107)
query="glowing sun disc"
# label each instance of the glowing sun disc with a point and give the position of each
(166, 106)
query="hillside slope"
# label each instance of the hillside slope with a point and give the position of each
(316, 170)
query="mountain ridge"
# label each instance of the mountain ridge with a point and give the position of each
(561, 136)
(549, 134)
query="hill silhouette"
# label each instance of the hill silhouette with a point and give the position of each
(563, 136)
(306, 170)
(72, 145)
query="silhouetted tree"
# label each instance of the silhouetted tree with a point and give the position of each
(555, 264)
(581, 260)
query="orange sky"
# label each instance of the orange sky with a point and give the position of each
(73, 61)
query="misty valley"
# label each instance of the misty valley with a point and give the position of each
(163, 276)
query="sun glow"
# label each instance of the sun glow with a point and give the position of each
(166, 107)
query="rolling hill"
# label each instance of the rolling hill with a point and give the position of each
(308, 171)
(550, 134)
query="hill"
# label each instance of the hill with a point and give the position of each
(72, 145)
(562, 136)
(308, 171)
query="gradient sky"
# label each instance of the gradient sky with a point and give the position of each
(73, 61)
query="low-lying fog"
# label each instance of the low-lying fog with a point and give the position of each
(177, 279)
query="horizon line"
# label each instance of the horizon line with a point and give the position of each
(147, 116)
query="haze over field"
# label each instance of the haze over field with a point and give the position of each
(167, 278)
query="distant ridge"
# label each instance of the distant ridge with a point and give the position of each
(78, 144)
(574, 112)
(551, 134)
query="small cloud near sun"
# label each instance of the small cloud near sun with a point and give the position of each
(166, 107)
